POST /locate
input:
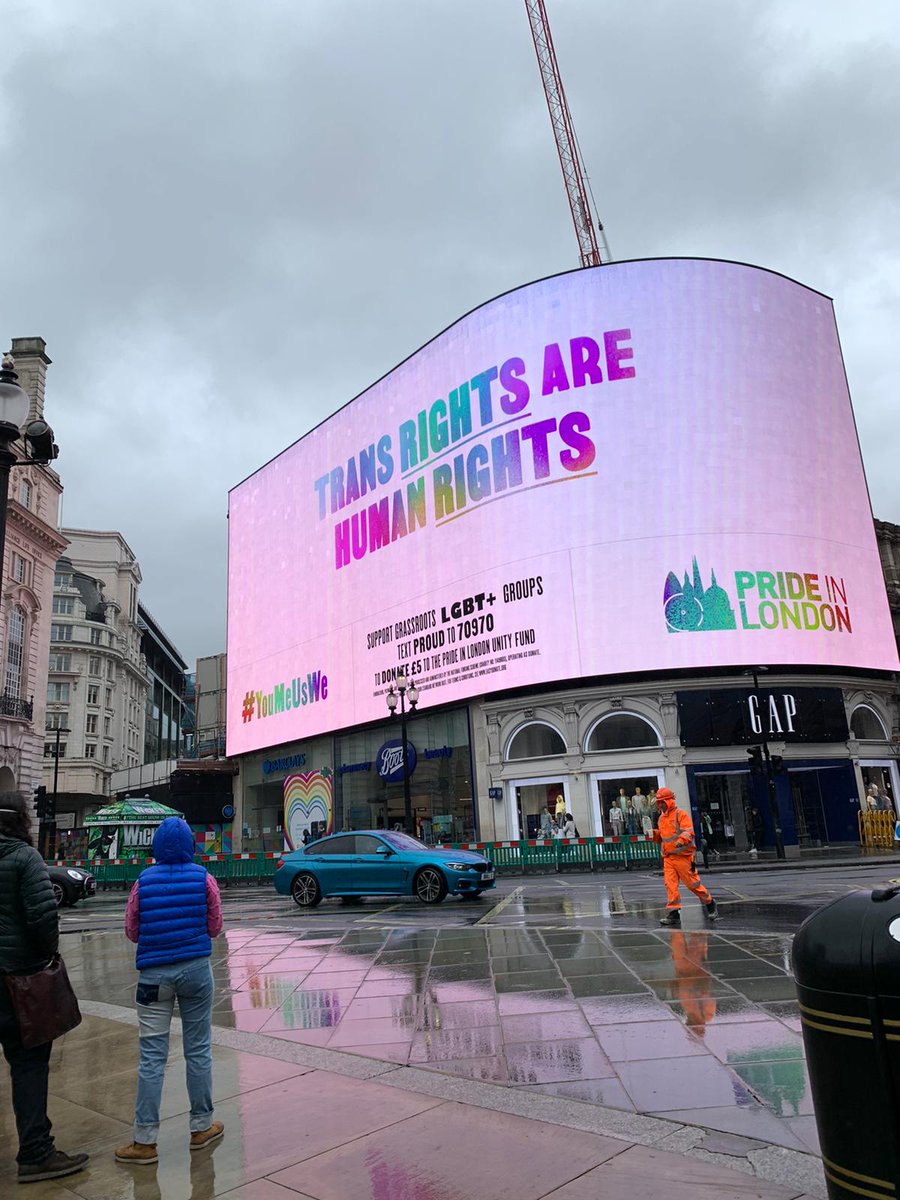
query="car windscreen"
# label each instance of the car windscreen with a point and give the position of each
(402, 841)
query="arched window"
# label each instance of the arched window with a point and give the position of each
(536, 741)
(15, 653)
(866, 726)
(622, 731)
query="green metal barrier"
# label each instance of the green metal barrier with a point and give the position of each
(609, 854)
(506, 857)
(644, 853)
(539, 855)
(573, 856)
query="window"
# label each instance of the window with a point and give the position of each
(64, 605)
(57, 693)
(90, 749)
(60, 633)
(94, 665)
(866, 726)
(62, 579)
(15, 652)
(366, 844)
(96, 637)
(57, 720)
(109, 697)
(623, 731)
(107, 726)
(106, 754)
(110, 670)
(93, 694)
(335, 845)
(25, 493)
(60, 662)
(20, 572)
(50, 749)
(90, 724)
(536, 741)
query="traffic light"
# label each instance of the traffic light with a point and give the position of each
(50, 808)
(40, 802)
(777, 764)
(756, 760)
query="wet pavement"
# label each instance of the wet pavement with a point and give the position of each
(559, 1007)
(562, 995)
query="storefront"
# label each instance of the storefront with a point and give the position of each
(355, 781)
(369, 792)
(601, 754)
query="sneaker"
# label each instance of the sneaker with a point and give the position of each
(712, 911)
(138, 1152)
(54, 1166)
(206, 1137)
(672, 917)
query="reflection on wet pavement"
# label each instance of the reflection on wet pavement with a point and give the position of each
(675, 1022)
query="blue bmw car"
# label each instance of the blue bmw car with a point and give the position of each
(374, 862)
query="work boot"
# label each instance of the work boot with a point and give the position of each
(206, 1137)
(672, 917)
(138, 1152)
(712, 910)
(55, 1166)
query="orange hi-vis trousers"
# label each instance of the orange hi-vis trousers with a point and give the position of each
(679, 868)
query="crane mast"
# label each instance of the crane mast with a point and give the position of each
(566, 142)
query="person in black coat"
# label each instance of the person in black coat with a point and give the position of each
(29, 938)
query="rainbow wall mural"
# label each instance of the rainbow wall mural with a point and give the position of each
(307, 798)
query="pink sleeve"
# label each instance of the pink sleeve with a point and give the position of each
(132, 915)
(213, 908)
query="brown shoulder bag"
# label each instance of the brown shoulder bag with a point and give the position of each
(44, 1003)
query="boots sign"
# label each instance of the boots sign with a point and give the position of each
(741, 716)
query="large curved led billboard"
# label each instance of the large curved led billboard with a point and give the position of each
(637, 467)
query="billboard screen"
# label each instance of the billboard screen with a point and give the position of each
(637, 467)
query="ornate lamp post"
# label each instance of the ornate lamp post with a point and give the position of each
(405, 690)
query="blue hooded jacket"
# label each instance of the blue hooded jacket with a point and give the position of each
(172, 900)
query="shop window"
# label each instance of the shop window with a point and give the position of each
(866, 726)
(536, 741)
(15, 652)
(622, 731)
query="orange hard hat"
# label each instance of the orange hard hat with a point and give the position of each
(664, 795)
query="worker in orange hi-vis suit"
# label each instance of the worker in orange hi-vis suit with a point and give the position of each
(676, 833)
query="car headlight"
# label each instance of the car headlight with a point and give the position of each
(74, 874)
(459, 866)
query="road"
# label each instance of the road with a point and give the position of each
(749, 901)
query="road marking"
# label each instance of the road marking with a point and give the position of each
(498, 908)
(375, 915)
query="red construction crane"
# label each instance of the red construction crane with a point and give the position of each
(574, 177)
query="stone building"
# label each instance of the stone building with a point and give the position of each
(98, 681)
(33, 544)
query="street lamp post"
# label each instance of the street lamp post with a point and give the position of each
(770, 772)
(405, 690)
(50, 811)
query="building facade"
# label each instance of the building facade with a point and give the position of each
(98, 681)
(33, 544)
(163, 730)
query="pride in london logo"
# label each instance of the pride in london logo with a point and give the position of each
(792, 600)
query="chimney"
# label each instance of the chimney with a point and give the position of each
(30, 354)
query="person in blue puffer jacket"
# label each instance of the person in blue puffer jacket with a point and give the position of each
(173, 912)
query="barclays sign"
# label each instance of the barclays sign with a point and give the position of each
(389, 761)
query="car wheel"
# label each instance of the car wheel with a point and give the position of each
(430, 885)
(305, 890)
(59, 893)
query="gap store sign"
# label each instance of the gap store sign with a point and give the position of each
(645, 466)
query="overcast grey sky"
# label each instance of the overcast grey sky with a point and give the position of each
(227, 218)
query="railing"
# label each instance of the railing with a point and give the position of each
(509, 858)
(876, 830)
(14, 706)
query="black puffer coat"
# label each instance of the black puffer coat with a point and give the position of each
(29, 920)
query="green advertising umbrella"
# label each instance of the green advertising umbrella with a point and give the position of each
(125, 829)
(132, 811)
